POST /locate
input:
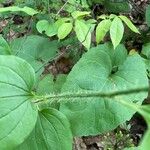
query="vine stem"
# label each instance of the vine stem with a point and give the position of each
(71, 97)
(62, 7)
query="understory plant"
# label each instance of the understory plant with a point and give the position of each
(103, 90)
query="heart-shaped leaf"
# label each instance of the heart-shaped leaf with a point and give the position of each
(17, 113)
(42, 25)
(64, 30)
(52, 132)
(105, 70)
(49, 28)
(35, 49)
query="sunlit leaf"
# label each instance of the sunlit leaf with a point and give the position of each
(116, 31)
(83, 33)
(101, 30)
(129, 24)
(64, 30)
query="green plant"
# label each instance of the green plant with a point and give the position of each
(117, 141)
(104, 89)
(83, 29)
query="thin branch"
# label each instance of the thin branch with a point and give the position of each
(62, 8)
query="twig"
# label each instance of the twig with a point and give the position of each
(62, 8)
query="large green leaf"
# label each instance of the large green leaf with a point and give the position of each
(145, 141)
(116, 31)
(83, 33)
(17, 113)
(52, 132)
(47, 84)
(145, 112)
(35, 49)
(131, 148)
(4, 47)
(146, 51)
(105, 70)
(146, 54)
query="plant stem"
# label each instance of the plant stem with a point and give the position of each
(62, 8)
(65, 97)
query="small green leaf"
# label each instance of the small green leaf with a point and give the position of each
(101, 30)
(49, 28)
(64, 30)
(116, 31)
(27, 10)
(42, 25)
(60, 21)
(18, 115)
(4, 47)
(91, 23)
(112, 16)
(148, 15)
(79, 14)
(83, 33)
(103, 16)
(129, 24)
(52, 132)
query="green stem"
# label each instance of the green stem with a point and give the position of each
(71, 97)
